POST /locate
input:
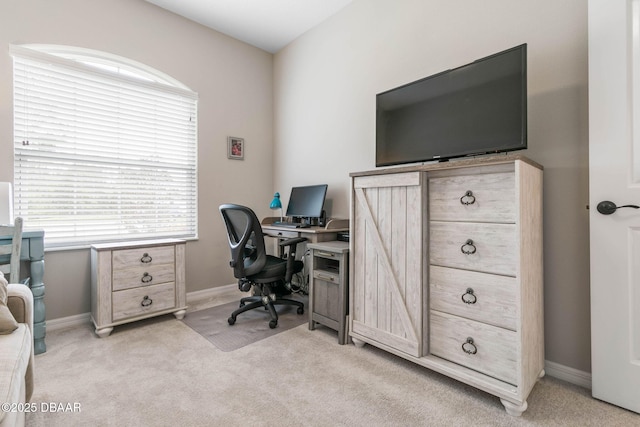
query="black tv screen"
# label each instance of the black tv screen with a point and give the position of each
(474, 109)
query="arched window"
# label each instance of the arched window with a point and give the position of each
(105, 148)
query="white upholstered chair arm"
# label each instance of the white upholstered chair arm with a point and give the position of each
(20, 302)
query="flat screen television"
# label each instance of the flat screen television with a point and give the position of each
(478, 108)
(307, 201)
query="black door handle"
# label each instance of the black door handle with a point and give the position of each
(607, 208)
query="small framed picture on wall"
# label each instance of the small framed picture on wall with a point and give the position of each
(235, 148)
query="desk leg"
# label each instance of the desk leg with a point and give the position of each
(37, 288)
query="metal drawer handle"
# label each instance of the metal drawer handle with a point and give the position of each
(469, 347)
(468, 198)
(320, 276)
(469, 297)
(146, 258)
(146, 301)
(146, 278)
(326, 254)
(468, 248)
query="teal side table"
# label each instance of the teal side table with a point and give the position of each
(33, 251)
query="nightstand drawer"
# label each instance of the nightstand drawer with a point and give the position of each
(482, 198)
(143, 276)
(487, 349)
(144, 256)
(326, 276)
(142, 301)
(487, 298)
(489, 248)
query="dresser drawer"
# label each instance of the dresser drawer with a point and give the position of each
(487, 298)
(489, 248)
(473, 198)
(143, 276)
(142, 301)
(143, 256)
(484, 348)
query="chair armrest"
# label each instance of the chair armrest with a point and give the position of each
(20, 303)
(292, 242)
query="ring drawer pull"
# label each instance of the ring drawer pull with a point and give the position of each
(146, 258)
(468, 198)
(469, 347)
(468, 248)
(469, 297)
(146, 278)
(146, 301)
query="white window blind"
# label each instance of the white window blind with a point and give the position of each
(100, 155)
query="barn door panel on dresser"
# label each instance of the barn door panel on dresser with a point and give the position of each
(387, 274)
(448, 270)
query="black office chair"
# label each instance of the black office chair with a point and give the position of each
(267, 274)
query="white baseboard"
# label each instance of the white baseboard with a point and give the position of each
(204, 295)
(68, 322)
(570, 375)
(193, 298)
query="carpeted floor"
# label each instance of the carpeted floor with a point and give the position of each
(160, 372)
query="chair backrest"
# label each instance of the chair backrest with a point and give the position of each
(10, 251)
(246, 241)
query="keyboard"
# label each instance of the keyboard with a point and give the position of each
(290, 224)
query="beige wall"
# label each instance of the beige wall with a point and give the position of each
(234, 83)
(325, 85)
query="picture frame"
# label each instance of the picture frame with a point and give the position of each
(235, 148)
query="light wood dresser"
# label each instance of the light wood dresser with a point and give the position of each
(136, 280)
(447, 270)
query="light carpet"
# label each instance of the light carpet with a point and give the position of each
(160, 372)
(251, 326)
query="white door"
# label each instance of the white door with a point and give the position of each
(614, 176)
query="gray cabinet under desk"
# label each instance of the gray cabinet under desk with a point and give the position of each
(328, 286)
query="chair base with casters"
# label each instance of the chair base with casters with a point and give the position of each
(268, 300)
(268, 275)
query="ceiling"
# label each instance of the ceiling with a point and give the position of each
(267, 24)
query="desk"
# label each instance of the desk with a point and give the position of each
(313, 234)
(33, 251)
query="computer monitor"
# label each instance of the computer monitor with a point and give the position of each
(307, 202)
